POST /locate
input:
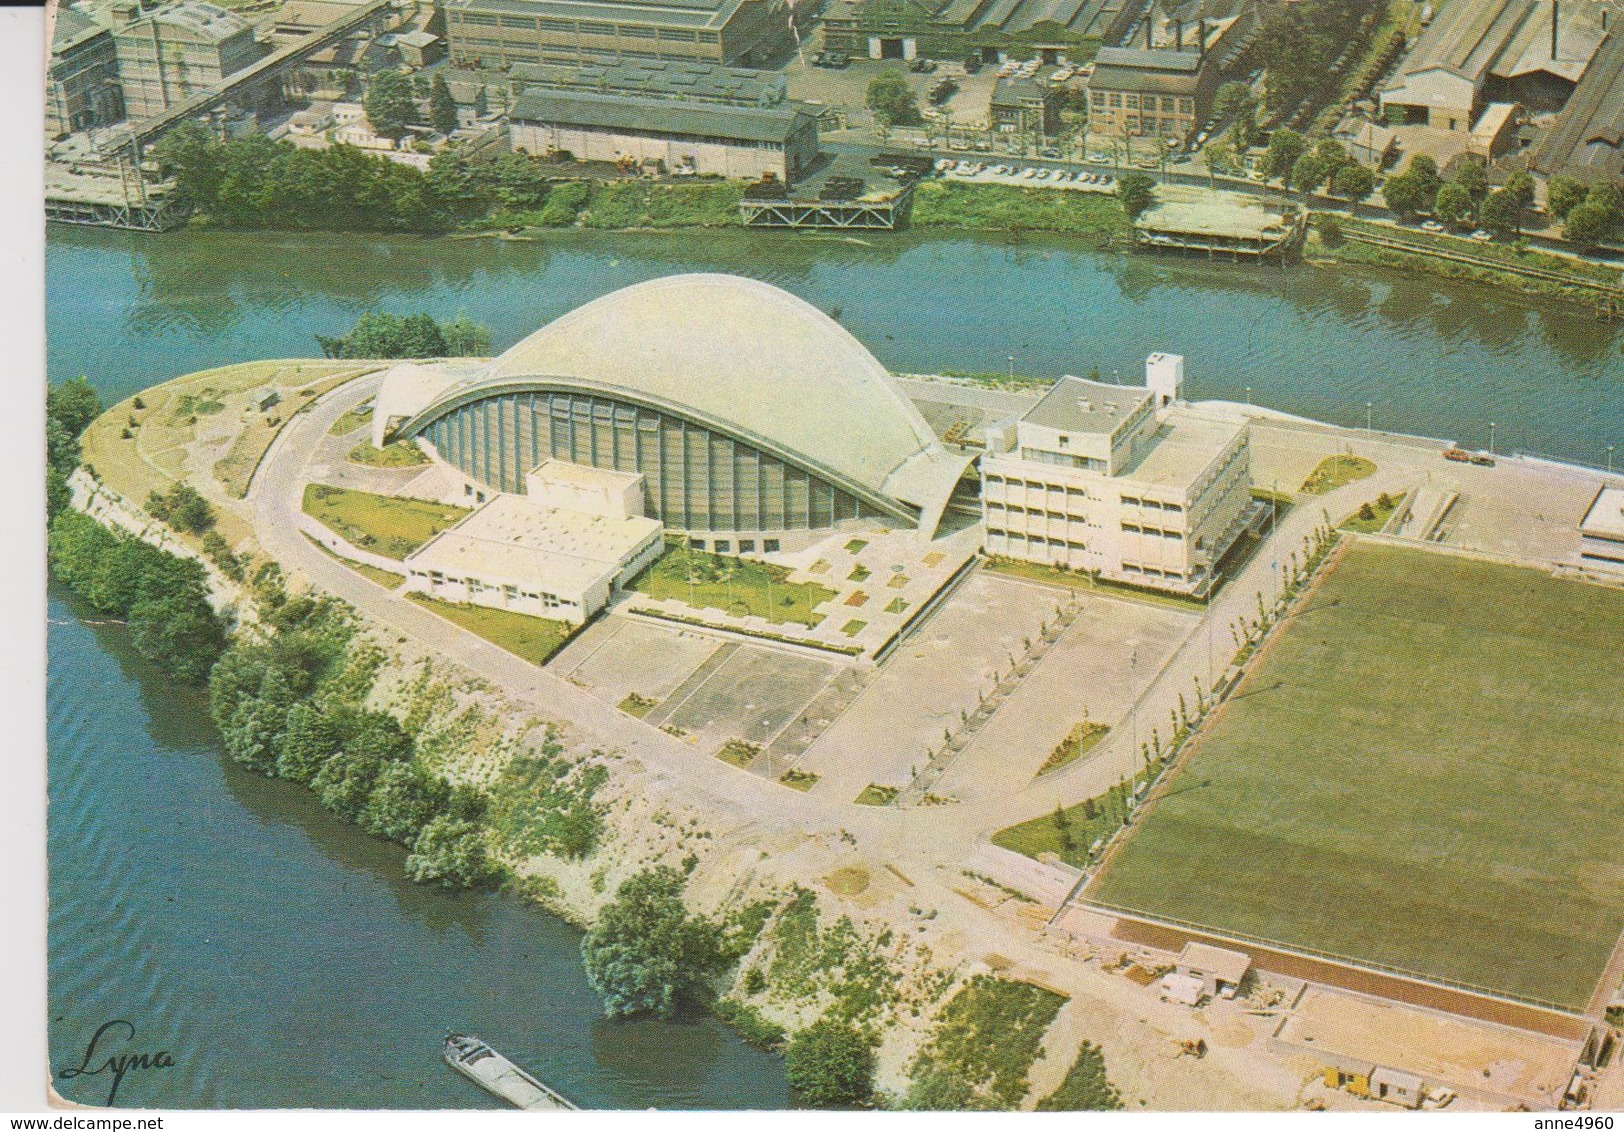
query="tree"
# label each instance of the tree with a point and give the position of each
(646, 954)
(1454, 205)
(465, 338)
(1562, 194)
(892, 100)
(308, 741)
(1520, 184)
(183, 508)
(1137, 192)
(181, 628)
(451, 851)
(1307, 172)
(1472, 177)
(1285, 147)
(1588, 224)
(403, 801)
(73, 404)
(1502, 212)
(442, 107)
(1236, 102)
(831, 1065)
(1405, 195)
(390, 105)
(1353, 182)
(1424, 170)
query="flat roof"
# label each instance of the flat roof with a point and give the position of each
(1194, 210)
(1605, 519)
(583, 475)
(1184, 446)
(660, 78)
(1230, 966)
(1442, 1049)
(667, 13)
(1076, 404)
(513, 540)
(660, 115)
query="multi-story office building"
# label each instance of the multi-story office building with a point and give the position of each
(1155, 93)
(82, 82)
(1125, 482)
(169, 55)
(500, 33)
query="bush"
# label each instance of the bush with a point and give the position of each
(646, 954)
(451, 851)
(183, 509)
(831, 1065)
(1136, 191)
(1086, 1088)
(564, 204)
(748, 1023)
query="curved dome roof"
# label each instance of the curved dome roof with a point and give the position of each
(739, 351)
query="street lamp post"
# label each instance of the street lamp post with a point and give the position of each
(1012, 369)
(1609, 459)
(1369, 405)
(1491, 438)
(1248, 394)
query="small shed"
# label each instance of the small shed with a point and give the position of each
(1186, 990)
(1397, 1087)
(266, 400)
(1219, 969)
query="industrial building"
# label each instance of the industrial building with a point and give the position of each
(1587, 139)
(81, 81)
(1121, 481)
(702, 138)
(494, 34)
(989, 28)
(753, 422)
(1530, 52)
(1155, 93)
(1024, 106)
(169, 55)
(685, 81)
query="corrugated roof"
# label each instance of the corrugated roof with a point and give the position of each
(1180, 62)
(1587, 139)
(706, 82)
(72, 28)
(658, 13)
(660, 115)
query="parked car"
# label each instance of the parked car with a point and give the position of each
(1432, 226)
(1050, 152)
(835, 59)
(1062, 75)
(1029, 172)
(922, 66)
(1482, 235)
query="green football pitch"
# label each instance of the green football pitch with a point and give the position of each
(1425, 772)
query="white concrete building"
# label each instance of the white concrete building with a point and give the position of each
(517, 553)
(1123, 481)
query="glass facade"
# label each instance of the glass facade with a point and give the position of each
(695, 478)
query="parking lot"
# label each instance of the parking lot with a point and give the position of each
(1024, 176)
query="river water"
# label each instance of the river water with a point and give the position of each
(277, 954)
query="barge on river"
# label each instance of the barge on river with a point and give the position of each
(477, 1061)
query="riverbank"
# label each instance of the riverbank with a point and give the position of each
(1522, 270)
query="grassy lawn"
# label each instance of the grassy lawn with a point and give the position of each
(1069, 833)
(1084, 737)
(1337, 471)
(638, 705)
(1380, 510)
(529, 638)
(739, 753)
(985, 1041)
(876, 795)
(802, 780)
(1013, 208)
(1049, 575)
(1424, 772)
(382, 524)
(351, 421)
(396, 455)
(388, 579)
(1086, 1087)
(736, 586)
(636, 204)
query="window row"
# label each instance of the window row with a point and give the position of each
(746, 545)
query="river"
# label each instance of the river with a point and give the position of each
(277, 954)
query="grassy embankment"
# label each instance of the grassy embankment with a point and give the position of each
(736, 586)
(1010, 208)
(1337, 471)
(388, 579)
(1346, 250)
(394, 455)
(528, 638)
(1380, 510)
(1071, 579)
(383, 524)
(141, 444)
(1468, 836)
(985, 1041)
(1071, 831)
(629, 204)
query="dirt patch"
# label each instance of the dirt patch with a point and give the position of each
(848, 881)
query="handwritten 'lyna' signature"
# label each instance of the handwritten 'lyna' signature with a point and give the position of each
(118, 1064)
